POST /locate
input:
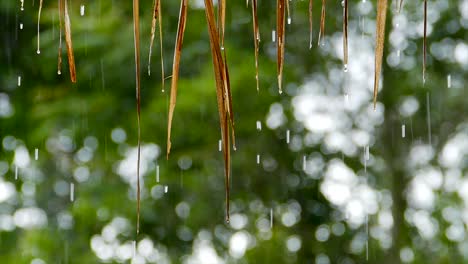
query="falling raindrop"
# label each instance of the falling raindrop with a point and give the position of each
(22, 5)
(36, 154)
(19, 81)
(220, 145)
(258, 158)
(346, 98)
(82, 10)
(271, 217)
(403, 131)
(273, 35)
(345, 68)
(103, 83)
(367, 237)
(363, 20)
(259, 125)
(166, 189)
(287, 136)
(449, 81)
(21, 26)
(289, 21)
(428, 118)
(134, 248)
(304, 163)
(16, 172)
(72, 192)
(157, 173)
(367, 155)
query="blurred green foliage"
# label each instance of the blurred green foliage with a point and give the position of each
(49, 107)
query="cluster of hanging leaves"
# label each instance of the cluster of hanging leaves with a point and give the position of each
(216, 29)
(223, 89)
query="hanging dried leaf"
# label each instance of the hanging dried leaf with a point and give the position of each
(280, 25)
(59, 64)
(175, 68)
(379, 43)
(157, 17)
(310, 24)
(256, 39)
(68, 41)
(227, 89)
(223, 94)
(322, 22)
(424, 41)
(136, 42)
(38, 23)
(221, 20)
(345, 34)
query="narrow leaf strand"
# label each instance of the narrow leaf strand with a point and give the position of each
(221, 21)
(322, 23)
(156, 20)
(379, 44)
(280, 24)
(136, 41)
(345, 34)
(68, 41)
(175, 69)
(424, 41)
(59, 62)
(38, 25)
(310, 24)
(153, 30)
(256, 34)
(161, 45)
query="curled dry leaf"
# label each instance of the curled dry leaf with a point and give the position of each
(68, 41)
(379, 43)
(175, 68)
(280, 25)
